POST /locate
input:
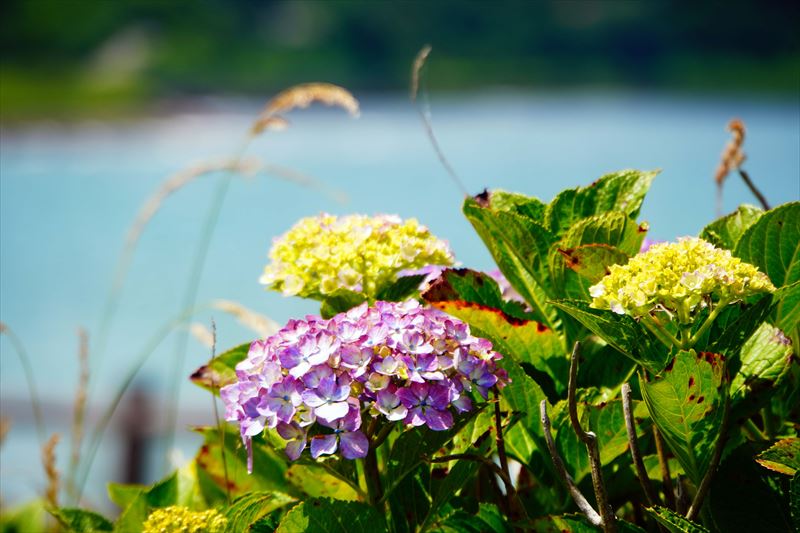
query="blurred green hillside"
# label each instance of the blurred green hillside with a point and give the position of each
(73, 58)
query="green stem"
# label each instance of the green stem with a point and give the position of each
(27, 369)
(372, 477)
(753, 431)
(190, 296)
(660, 331)
(100, 429)
(707, 324)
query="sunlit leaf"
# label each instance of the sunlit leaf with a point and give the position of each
(621, 191)
(725, 232)
(783, 456)
(772, 243)
(673, 522)
(620, 331)
(519, 246)
(221, 370)
(685, 402)
(249, 508)
(765, 359)
(81, 520)
(323, 515)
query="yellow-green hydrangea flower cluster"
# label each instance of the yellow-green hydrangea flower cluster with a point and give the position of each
(680, 278)
(321, 254)
(177, 519)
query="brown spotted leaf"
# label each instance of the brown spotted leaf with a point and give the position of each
(783, 456)
(686, 404)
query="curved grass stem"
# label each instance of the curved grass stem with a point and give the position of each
(190, 295)
(102, 425)
(27, 369)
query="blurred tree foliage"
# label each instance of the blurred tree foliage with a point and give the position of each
(88, 55)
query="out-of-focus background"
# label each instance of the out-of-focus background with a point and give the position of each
(102, 101)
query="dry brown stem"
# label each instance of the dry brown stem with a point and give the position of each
(50, 470)
(257, 322)
(302, 96)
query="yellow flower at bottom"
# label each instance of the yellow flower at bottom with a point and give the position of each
(680, 277)
(177, 519)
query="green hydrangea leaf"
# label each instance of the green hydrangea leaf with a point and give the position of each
(686, 404)
(576, 269)
(620, 331)
(612, 228)
(621, 191)
(794, 500)
(607, 421)
(251, 507)
(222, 469)
(519, 246)
(410, 502)
(782, 457)
(527, 206)
(745, 497)
(323, 515)
(339, 301)
(725, 232)
(81, 520)
(673, 522)
(401, 289)
(772, 244)
(488, 519)
(315, 480)
(221, 370)
(765, 359)
(414, 445)
(459, 475)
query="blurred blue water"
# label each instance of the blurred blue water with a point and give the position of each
(69, 193)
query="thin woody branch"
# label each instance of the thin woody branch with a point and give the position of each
(633, 444)
(590, 440)
(666, 476)
(580, 500)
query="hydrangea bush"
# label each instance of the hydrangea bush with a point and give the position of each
(660, 377)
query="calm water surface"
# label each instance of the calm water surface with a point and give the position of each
(69, 193)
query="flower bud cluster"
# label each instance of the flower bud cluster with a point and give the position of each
(178, 518)
(315, 379)
(680, 277)
(362, 254)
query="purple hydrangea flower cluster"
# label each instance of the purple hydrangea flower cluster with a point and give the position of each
(314, 379)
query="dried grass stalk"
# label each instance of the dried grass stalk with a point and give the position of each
(416, 68)
(732, 155)
(269, 123)
(259, 323)
(302, 96)
(294, 176)
(247, 167)
(5, 425)
(50, 470)
(79, 408)
(202, 334)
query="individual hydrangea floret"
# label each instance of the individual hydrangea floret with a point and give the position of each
(315, 380)
(321, 254)
(680, 278)
(181, 519)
